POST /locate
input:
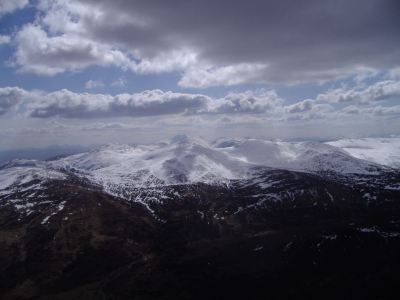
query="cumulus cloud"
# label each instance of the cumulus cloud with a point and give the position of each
(67, 104)
(379, 91)
(156, 102)
(40, 53)
(277, 41)
(9, 6)
(257, 104)
(246, 102)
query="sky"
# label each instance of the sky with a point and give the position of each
(90, 72)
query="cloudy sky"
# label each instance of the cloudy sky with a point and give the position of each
(82, 72)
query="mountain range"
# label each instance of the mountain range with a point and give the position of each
(192, 219)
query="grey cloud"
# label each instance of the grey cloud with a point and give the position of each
(395, 73)
(309, 39)
(9, 6)
(351, 110)
(302, 106)
(309, 111)
(106, 126)
(247, 102)
(212, 42)
(372, 110)
(9, 98)
(67, 104)
(257, 104)
(157, 103)
(386, 110)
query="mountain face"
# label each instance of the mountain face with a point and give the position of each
(188, 219)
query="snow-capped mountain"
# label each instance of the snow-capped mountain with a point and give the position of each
(185, 160)
(182, 160)
(189, 160)
(264, 171)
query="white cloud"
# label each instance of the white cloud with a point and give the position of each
(67, 104)
(240, 108)
(167, 62)
(37, 52)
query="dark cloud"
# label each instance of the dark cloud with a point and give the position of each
(296, 40)
(214, 43)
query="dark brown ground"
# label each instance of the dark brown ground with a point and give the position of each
(101, 247)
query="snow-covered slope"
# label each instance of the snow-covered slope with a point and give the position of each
(385, 151)
(18, 173)
(125, 169)
(189, 160)
(182, 160)
(298, 156)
